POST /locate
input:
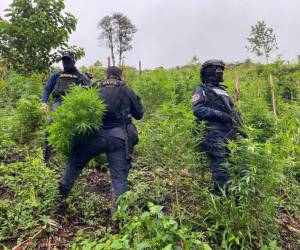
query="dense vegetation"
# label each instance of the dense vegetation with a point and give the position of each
(169, 205)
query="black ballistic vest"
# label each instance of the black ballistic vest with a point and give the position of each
(218, 98)
(113, 92)
(64, 82)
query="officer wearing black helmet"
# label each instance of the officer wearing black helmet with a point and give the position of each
(212, 104)
(58, 84)
(115, 138)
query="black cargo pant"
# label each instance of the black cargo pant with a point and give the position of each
(217, 153)
(99, 142)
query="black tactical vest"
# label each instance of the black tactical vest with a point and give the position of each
(113, 92)
(64, 82)
(218, 98)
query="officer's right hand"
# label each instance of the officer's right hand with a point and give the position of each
(45, 107)
(226, 118)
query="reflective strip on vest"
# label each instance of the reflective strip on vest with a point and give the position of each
(220, 92)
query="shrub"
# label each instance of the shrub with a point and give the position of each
(29, 118)
(29, 195)
(17, 86)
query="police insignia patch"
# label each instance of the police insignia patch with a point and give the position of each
(196, 97)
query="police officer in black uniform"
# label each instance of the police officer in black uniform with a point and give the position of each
(212, 104)
(58, 84)
(116, 137)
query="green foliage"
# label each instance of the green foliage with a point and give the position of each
(167, 137)
(265, 169)
(79, 115)
(29, 118)
(259, 118)
(285, 76)
(21, 115)
(160, 86)
(16, 87)
(150, 230)
(29, 196)
(34, 34)
(7, 143)
(91, 215)
(258, 172)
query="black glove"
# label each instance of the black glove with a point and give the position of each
(224, 117)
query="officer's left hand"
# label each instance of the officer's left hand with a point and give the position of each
(45, 107)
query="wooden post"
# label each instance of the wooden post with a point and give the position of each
(299, 59)
(123, 70)
(237, 90)
(140, 67)
(273, 95)
(108, 62)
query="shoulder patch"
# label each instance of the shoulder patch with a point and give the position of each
(197, 97)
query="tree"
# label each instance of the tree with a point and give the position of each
(262, 40)
(34, 34)
(107, 34)
(194, 60)
(97, 64)
(117, 32)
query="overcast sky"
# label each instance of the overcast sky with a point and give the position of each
(170, 32)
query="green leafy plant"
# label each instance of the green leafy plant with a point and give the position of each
(79, 115)
(29, 195)
(29, 118)
(151, 229)
(16, 87)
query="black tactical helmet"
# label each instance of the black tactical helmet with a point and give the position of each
(68, 54)
(208, 72)
(114, 71)
(213, 62)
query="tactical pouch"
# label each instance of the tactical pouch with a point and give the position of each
(133, 138)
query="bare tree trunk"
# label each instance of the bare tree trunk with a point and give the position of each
(267, 59)
(111, 46)
(113, 56)
(273, 95)
(108, 62)
(120, 47)
(120, 58)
